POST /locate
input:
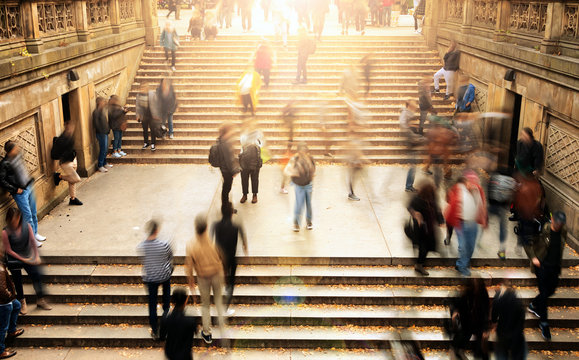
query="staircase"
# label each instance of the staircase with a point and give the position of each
(207, 72)
(313, 304)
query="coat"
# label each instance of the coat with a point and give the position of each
(453, 211)
(255, 86)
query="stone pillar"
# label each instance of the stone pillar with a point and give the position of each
(149, 11)
(115, 16)
(553, 28)
(82, 30)
(431, 21)
(467, 16)
(81, 108)
(503, 19)
(34, 43)
(139, 13)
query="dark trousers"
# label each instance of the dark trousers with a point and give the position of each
(511, 348)
(153, 289)
(230, 268)
(247, 103)
(149, 124)
(172, 56)
(265, 73)
(387, 13)
(35, 275)
(245, 174)
(302, 61)
(461, 341)
(227, 183)
(547, 279)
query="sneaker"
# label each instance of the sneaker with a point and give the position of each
(39, 237)
(153, 148)
(436, 91)
(310, 226)
(74, 201)
(411, 189)
(38, 244)
(56, 178)
(207, 338)
(420, 269)
(108, 166)
(545, 331)
(296, 227)
(501, 255)
(41, 303)
(122, 153)
(533, 310)
(145, 146)
(229, 312)
(171, 136)
(283, 191)
(353, 197)
(173, 68)
(103, 169)
(117, 155)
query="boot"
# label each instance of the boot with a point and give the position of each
(24, 308)
(243, 198)
(41, 303)
(254, 199)
(420, 269)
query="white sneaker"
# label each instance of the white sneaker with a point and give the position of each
(283, 191)
(229, 312)
(103, 169)
(173, 68)
(171, 136)
(122, 153)
(108, 166)
(39, 237)
(117, 155)
(38, 244)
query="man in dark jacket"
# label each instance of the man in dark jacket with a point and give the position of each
(64, 145)
(9, 310)
(451, 61)
(229, 166)
(101, 125)
(15, 179)
(425, 103)
(546, 252)
(529, 159)
(508, 314)
(179, 329)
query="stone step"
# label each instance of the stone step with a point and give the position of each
(321, 91)
(269, 294)
(235, 66)
(266, 97)
(248, 336)
(277, 315)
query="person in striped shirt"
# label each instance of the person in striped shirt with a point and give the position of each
(157, 258)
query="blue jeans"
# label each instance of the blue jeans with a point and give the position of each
(303, 195)
(27, 204)
(8, 318)
(103, 140)
(501, 212)
(170, 123)
(153, 288)
(466, 234)
(410, 177)
(118, 138)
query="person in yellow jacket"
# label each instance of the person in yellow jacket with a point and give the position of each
(247, 88)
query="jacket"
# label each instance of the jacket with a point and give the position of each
(116, 117)
(229, 164)
(65, 145)
(167, 104)
(7, 291)
(178, 330)
(100, 121)
(529, 157)
(8, 178)
(168, 40)
(203, 256)
(255, 86)
(467, 98)
(425, 100)
(264, 57)
(453, 211)
(451, 60)
(538, 245)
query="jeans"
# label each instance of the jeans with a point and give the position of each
(153, 288)
(170, 123)
(172, 56)
(547, 279)
(303, 195)
(423, 114)
(227, 183)
(246, 18)
(117, 139)
(8, 318)
(511, 349)
(103, 140)
(205, 285)
(448, 78)
(501, 212)
(466, 234)
(410, 177)
(245, 174)
(35, 275)
(26, 202)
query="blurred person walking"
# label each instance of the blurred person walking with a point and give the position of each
(451, 63)
(100, 123)
(349, 83)
(356, 162)
(196, 24)
(21, 252)
(246, 8)
(225, 13)
(202, 260)
(407, 114)
(178, 329)
(529, 160)
(266, 6)
(263, 60)
(167, 103)
(170, 42)
(508, 319)
(15, 179)
(302, 10)
(501, 188)
(250, 161)
(546, 253)
(367, 63)
(149, 115)
(387, 12)
(248, 87)
(466, 210)
(419, 11)
(301, 169)
(306, 47)
(465, 95)
(63, 151)
(360, 11)
(319, 10)
(227, 162)
(118, 123)
(157, 258)
(210, 24)
(9, 311)
(227, 232)
(425, 103)
(172, 6)
(426, 213)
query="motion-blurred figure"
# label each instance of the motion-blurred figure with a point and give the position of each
(529, 159)
(225, 13)
(319, 10)
(167, 103)
(508, 316)
(118, 123)
(356, 162)
(360, 10)
(248, 87)
(250, 160)
(170, 42)
(465, 94)
(546, 253)
(424, 102)
(210, 24)
(195, 25)
(306, 47)
(246, 7)
(501, 188)
(301, 169)
(178, 329)
(407, 114)
(367, 63)
(102, 130)
(149, 115)
(440, 138)
(264, 59)
(63, 147)
(346, 9)
(228, 164)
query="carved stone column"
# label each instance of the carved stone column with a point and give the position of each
(84, 138)
(149, 11)
(138, 13)
(467, 17)
(34, 43)
(553, 28)
(432, 18)
(82, 30)
(115, 16)
(503, 18)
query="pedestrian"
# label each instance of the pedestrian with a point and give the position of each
(529, 160)
(419, 11)
(266, 5)
(9, 310)
(202, 260)
(157, 258)
(263, 60)
(546, 252)
(356, 162)
(170, 42)
(149, 115)
(306, 47)
(281, 14)
(508, 317)
(248, 87)
(465, 95)
(360, 9)
(470, 316)
(425, 103)
(466, 210)
(250, 161)
(349, 83)
(227, 232)
(387, 12)
(228, 165)
(367, 63)
(225, 13)
(178, 329)
(210, 24)
(303, 13)
(195, 25)
(101, 125)
(501, 188)
(167, 103)
(246, 7)
(63, 150)
(172, 5)
(451, 63)
(22, 253)
(407, 114)
(15, 179)
(319, 10)
(301, 169)
(118, 123)
(426, 213)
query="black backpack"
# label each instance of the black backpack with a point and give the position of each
(56, 151)
(215, 157)
(250, 157)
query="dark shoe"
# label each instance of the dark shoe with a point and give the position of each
(545, 331)
(7, 354)
(427, 171)
(207, 338)
(56, 178)
(420, 269)
(410, 189)
(16, 334)
(243, 199)
(43, 304)
(145, 146)
(532, 310)
(254, 199)
(435, 91)
(447, 241)
(74, 201)
(353, 197)
(514, 217)
(446, 97)
(154, 334)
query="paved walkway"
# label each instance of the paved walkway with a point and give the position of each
(118, 203)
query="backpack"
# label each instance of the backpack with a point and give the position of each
(215, 157)
(250, 157)
(56, 152)
(501, 188)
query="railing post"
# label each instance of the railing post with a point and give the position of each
(553, 28)
(82, 30)
(34, 43)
